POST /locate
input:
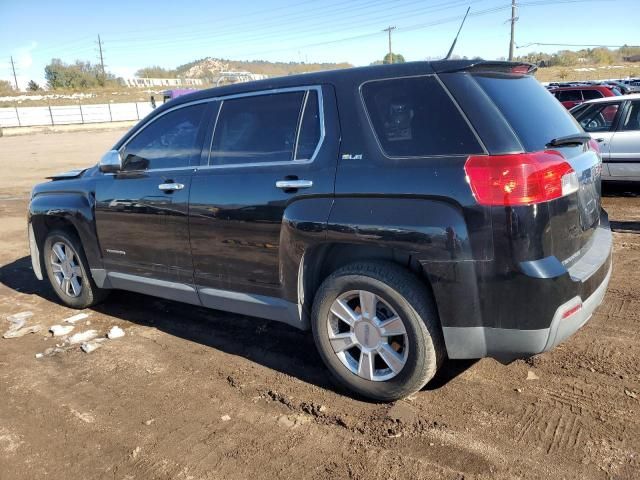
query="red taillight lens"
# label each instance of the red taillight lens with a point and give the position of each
(520, 178)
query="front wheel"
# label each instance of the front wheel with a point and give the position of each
(68, 271)
(375, 326)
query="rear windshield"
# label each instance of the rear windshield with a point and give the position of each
(533, 113)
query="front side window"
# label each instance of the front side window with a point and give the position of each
(257, 129)
(414, 117)
(598, 117)
(632, 118)
(171, 141)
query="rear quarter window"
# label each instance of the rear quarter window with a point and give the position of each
(534, 115)
(414, 117)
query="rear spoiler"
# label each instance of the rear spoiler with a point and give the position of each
(478, 66)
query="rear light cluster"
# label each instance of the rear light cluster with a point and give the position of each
(520, 178)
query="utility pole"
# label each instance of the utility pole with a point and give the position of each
(388, 29)
(104, 75)
(15, 79)
(514, 18)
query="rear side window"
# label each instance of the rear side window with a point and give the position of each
(257, 129)
(632, 119)
(591, 94)
(414, 117)
(535, 116)
(569, 96)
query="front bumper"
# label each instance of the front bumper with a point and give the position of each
(590, 277)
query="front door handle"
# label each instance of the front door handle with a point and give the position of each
(170, 187)
(599, 140)
(293, 184)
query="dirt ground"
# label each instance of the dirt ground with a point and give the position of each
(191, 393)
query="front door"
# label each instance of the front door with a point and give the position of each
(599, 120)
(141, 211)
(269, 150)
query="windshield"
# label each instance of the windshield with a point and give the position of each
(535, 115)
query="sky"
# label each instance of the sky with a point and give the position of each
(140, 33)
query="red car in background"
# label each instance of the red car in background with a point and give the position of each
(572, 96)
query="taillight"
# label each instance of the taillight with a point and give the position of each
(520, 178)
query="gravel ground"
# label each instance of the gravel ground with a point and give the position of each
(190, 393)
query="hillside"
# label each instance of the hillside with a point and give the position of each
(210, 67)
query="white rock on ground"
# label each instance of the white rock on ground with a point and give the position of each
(16, 317)
(60, 330)
(21, 332)
(115, 332)
(89, 347)
(76, 318)
(82, 337)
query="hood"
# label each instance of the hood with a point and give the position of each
(66, 175)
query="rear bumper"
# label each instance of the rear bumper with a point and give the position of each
(589, 277)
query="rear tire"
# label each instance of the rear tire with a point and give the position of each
(366, 348)
(68, 271)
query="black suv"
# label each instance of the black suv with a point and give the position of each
(403, 213)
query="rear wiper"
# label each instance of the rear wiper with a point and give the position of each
(575, 139)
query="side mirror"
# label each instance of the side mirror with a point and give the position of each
(111, 162)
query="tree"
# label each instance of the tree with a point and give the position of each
(5, 87)
(156, 72)
(396, 57)
(79, 75)
(33, 86)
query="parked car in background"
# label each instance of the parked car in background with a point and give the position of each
(632, 84)
(403, 213)
(575, 95)
(614, 122)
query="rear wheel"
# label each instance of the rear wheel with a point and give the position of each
(376, 329)
(68, 271)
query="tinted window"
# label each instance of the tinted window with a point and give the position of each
(632, 119)
(591, 94)
(534, 115)
(598, 117)
(414, 117)
(569, 96)
(171, 141)
(309, 128)
(258, 128)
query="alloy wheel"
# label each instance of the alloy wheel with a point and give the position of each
(367, 335)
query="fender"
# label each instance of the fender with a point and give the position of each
(430, 233)
(72, 206)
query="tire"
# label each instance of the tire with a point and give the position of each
(89, 293)
(398, 294)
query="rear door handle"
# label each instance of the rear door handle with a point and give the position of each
(293, 184)
(170, 187)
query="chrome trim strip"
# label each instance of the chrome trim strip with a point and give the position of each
(299, 127)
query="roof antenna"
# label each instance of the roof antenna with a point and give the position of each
(453, 45)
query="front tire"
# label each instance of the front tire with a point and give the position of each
(376, 329)
(68, 271)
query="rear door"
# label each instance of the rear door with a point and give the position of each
(570, 98)
(269, 150)
(624, 158)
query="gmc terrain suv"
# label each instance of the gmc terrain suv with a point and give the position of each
(403, 213)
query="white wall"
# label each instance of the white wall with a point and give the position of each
(69, 114)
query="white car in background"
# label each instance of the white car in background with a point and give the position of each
(614, 122)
